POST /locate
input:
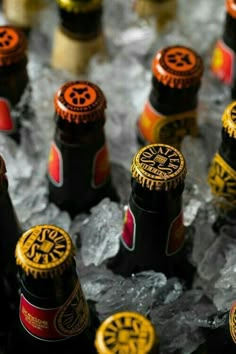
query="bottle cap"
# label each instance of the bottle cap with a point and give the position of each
(13, 45)
(126, 330)
(158, 167)
(80, 102)
(177, 66)
(44, 251)
(231, 8)
(77, 6)
(229, 119)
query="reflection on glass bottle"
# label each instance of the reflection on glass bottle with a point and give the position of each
(79, 171)
(163, 11)
(54, 316)
(79, 35)
(127, 332)
(153, 235)
(222, 171)
(223, 58)
(170, 112)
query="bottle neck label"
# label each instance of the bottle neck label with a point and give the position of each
(6, 121)
(175, 233)
(222, 64)
(155, 127)
(221, 178)
(101, 167)
(57, 323)
(55, 166)
(232, 322)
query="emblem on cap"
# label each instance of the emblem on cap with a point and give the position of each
(124, 331)
(44, 250)
(80, 101)
(158, 166)
(229, 119)
(13, 45)
(177, 66)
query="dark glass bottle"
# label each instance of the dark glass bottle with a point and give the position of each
(54, 316)
(153, 235)
(127, 332)
(79, 171)
(10, 233)
(13, 78)
(223, 58)
(170, 112)
(222, 171)
(80, 32)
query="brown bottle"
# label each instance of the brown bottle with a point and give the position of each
(54, 316)
(153, 234)
(170, 112)
(79, 35)
(224, 53)
(13, 78)
(127, 332)
(10, 233)
(222, 171)
(79, 171)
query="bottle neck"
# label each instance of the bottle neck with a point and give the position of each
(167, 100)
(229, 33)
(82, 133)
(228, 149)
(83, 25)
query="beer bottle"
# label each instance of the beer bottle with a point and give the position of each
(22, 13)
(54, 316)
(10, 233)
(223, 58)
(127, 332)
(79, 171)
(222, 171)
(163, 11)
(170, 112)
(153, 234)
(13, 79)
(79, 33)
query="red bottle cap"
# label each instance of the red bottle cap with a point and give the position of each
(80, 102)
(13, 45)
(177, 66)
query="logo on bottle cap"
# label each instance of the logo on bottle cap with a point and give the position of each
(229, 119)
(79, 5)
(158, 166)
(13, 45)
(231, 8)
(126, 332)
(44, 250)
(177, 66)
(80, 101)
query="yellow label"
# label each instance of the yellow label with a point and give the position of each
(222, 179)
(171, 129)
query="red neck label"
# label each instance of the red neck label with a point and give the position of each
(6, 120)
(101, 167)
(55, 166)
(129, 230)
(56, 323)
(222, 65)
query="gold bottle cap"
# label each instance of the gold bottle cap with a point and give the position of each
(77, 6)
(126, 332)
(44, 251)
(13, 45)
(229, 119)
(231, 7)
(177, 66)
(80, 102)
(158, 167)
